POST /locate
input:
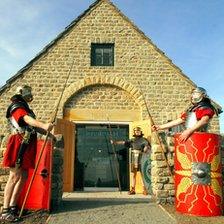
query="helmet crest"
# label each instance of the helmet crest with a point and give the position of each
(25, 91)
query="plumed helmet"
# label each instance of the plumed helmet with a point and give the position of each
(198, 94)
(25, 91)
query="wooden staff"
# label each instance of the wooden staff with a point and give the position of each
(157, 135)
(45, 142)
(115, 156)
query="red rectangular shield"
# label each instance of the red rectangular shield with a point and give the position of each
(40, 192)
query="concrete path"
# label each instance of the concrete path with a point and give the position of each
(109, 208)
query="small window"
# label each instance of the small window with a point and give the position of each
(102, 54)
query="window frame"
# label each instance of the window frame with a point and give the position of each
(103, 47)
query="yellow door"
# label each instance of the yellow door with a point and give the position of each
(67, 129)
(146, 129)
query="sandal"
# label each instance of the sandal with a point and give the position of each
(145, 192)
(14, 210)
(132, 191)
(7, 216)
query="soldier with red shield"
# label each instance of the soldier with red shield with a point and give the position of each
(21, 148)
(197, 161)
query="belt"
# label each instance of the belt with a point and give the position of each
(136, 151)
(17, 131)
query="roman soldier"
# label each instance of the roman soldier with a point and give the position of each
(21, 148)
(197, 162)
(23, 135)
(138, 145)
(196, 117)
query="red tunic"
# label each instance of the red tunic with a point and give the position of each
(14, 143)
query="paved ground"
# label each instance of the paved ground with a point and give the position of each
(116, 208)
(109, 208)
(189, 219)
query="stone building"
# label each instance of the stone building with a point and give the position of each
(112, 70)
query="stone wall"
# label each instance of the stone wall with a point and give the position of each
(163, 168)
(138, 65)
(57, 173)
(102, 96)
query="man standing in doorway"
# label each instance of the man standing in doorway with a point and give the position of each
(138, 145)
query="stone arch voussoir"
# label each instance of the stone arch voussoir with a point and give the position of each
(93, 80)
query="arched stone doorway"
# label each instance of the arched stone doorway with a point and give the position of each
(96, 104)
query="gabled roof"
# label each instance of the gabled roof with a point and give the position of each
(67, 29)
(70, 26)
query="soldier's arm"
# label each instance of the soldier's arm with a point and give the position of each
(117, 142)
(37, 124)
(147, 146)
(44, 132)
(168, 125)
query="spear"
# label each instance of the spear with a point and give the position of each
(157, 135)
(52, 120)
(115, 156)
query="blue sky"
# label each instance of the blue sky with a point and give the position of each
(190, 32)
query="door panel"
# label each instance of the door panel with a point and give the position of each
(67, 129)
(95, 161)
(146, 129)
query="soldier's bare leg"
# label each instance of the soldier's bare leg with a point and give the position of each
(18, 187)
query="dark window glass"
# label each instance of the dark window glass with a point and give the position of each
(102, 54)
